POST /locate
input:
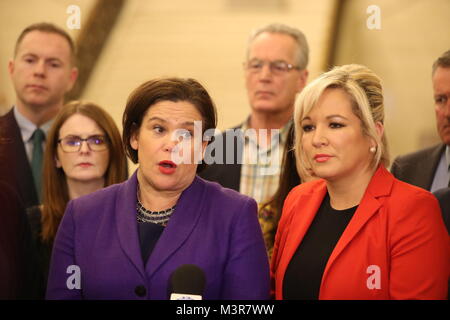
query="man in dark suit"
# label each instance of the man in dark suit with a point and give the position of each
(429, 168)
(443, 196)
(12, 266)
(42, 71)
(17, 260)
(275, 71)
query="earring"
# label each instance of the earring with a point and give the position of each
(373, 149)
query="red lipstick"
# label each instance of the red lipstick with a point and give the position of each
(167, 167)
(322, 157)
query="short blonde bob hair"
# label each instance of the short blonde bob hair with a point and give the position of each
(364, 90)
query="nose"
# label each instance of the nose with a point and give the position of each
(170, 145)
(265, 74)
(84, 148)
(39, 69)
(319, 138)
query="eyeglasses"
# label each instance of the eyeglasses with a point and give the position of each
(73, 143)
(276, 67)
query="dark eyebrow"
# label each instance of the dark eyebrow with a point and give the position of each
(156, 119)
(186, 123)
(89, 136)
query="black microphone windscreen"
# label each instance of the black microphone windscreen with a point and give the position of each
(188, 279)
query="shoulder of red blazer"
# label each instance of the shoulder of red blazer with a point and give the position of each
(409, 209)
(397, 192)
(291, 200)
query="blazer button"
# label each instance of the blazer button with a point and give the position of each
(140, 291)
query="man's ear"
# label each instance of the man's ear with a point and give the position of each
(11, 67)
(302, 80)
(73, 78)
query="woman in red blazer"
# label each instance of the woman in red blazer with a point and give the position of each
(356, 232)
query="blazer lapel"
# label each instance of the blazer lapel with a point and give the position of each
(181, 224)
(305, 210)
(127, 224)
(380, 185)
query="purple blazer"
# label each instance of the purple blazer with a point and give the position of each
(212, 227)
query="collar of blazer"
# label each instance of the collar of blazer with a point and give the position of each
(183, 220)
(308, 200)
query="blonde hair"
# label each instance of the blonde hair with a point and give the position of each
(364, 90)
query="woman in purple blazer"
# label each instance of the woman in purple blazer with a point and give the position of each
(125, 241)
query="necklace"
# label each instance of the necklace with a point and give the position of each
(157, 217)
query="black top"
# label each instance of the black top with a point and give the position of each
(149, 234)
(304, 272)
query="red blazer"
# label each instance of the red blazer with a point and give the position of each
(395, 246)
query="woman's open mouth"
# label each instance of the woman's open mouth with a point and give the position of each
(167, 167)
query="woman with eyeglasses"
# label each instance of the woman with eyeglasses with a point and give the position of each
(84, 153)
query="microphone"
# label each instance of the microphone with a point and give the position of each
(187, 282)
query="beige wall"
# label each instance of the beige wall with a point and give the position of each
(202, 39)
(412, 35)
(206, 40)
